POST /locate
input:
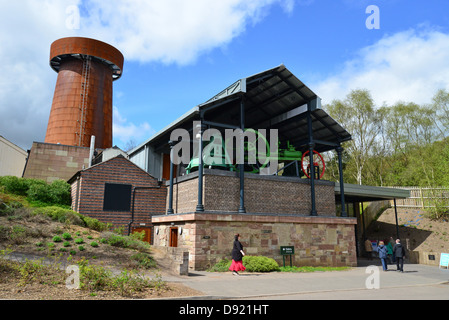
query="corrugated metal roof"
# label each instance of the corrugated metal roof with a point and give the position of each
(274, 99)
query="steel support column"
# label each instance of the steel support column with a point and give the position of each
(170, 191)
(342, 188)
(200, 206)
(313, 211)
(396, 217)
(242, 150)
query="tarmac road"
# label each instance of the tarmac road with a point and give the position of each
(362, 283)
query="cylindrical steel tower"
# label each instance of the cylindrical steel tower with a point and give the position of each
(82, 102)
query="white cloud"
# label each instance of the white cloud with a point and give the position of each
(168, 31)
(126, 132)
(27, 28)
(172, 31)
(407, 66)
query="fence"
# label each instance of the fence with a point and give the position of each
(423, 198)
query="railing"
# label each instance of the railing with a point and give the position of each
(422, 197)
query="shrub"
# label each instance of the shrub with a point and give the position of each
(57, 239)
(94, 244)
(144, 260)
(260, 264)
(18, 234)
(81, 248)
(69, 216)
(94, 224)
(221, 266)
(15, 185)
(39, 191)
(66, 236)
(121, 241)
(251, 263)
(66, 244)
(79, 240)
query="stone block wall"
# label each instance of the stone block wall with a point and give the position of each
(318, 241)
(51, 162)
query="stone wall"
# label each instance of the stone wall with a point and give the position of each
(318, 241)
(51, 162)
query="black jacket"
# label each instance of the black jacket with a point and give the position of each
(236, 254)
(399, 250)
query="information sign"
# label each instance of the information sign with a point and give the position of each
(287, 251)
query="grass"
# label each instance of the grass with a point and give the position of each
(263, 264)
(18, 210)
(311, 269)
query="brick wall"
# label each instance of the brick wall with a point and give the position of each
(263, 194)
(318, 241)
(89, 185)
(51, 162)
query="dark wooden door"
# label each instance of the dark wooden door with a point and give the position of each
(173, 237)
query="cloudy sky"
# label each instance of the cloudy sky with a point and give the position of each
(180, 53)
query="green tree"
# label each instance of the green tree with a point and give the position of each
(359, 116)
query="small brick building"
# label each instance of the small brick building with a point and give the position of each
(120, 193)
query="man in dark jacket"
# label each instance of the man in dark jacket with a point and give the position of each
(399, 253)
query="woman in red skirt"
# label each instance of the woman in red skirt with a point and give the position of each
(237, 256)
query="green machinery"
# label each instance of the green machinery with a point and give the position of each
(214, 158)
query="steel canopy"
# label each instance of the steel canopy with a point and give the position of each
(274, 99)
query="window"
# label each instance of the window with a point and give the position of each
(117, 197)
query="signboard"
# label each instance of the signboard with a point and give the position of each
(444, 260)
(287, 250)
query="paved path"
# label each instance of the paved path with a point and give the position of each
(416, 282)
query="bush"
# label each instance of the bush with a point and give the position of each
(69, 216)
(144, 260)
(121, 241)
(221, 266)
(58, 192)
(94, 244)
(57, 239)
(260, 264)
(79, 240)
(66, 236)
(251, 263)
(15, 185)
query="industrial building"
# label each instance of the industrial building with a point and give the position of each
(292, 207)
(215, 188)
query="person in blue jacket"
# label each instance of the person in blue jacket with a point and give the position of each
(383, 254)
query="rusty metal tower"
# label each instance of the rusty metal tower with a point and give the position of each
(82, 102)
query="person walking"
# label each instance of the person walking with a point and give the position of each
(237, 256)
(383, 254)
(369, 249)
(399, 253)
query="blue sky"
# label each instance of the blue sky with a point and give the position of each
(180, 53)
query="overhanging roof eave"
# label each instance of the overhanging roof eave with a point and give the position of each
(363, 193)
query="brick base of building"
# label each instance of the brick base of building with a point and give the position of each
(318, 241)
